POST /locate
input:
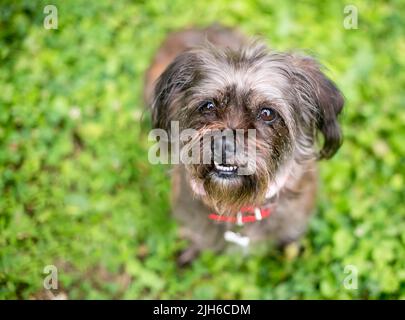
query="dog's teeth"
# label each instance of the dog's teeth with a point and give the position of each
(225, 168)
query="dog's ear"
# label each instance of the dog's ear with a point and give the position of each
(174, 81)
(322, 94)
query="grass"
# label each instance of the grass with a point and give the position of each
(77, 190)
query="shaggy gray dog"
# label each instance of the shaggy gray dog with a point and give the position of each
(214, 79)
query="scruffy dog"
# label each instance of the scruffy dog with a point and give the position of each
(215, 78)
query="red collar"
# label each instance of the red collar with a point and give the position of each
(246, 214)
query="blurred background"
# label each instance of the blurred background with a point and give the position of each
(77, 190)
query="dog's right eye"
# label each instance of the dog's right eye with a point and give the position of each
(207, 106)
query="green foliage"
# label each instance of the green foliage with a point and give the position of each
(77, 190)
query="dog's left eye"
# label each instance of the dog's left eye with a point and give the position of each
(268, 115)
(207, 106)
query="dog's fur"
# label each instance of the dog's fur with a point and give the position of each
(241, 77)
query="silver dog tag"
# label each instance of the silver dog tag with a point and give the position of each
(237, 238)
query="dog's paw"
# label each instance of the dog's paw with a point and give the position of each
(187, 256)
(292, 250)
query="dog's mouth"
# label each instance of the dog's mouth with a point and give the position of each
(223, 170)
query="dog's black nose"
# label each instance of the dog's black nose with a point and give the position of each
(223, 147)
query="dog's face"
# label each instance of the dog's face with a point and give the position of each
(285, 98)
